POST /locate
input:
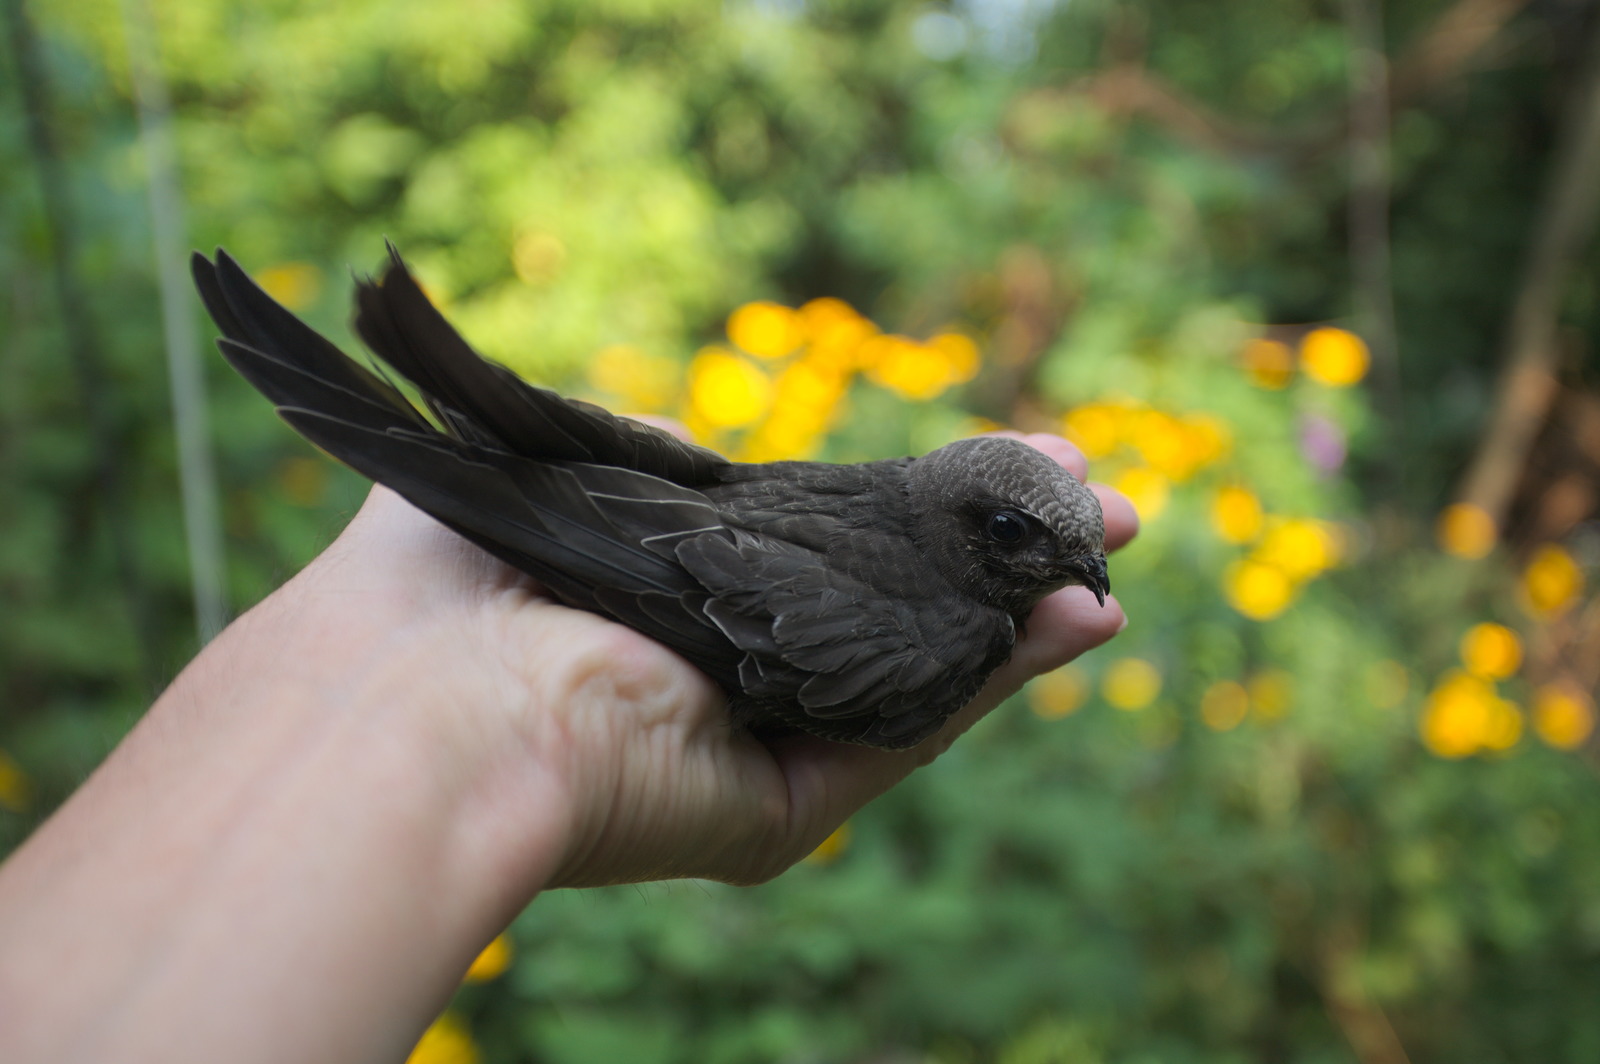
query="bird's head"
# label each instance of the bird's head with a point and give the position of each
(1006, 524)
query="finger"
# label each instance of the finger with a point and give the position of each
(1064, 626)
(1122, 520)
(829, 782)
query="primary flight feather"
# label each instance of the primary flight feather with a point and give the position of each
(861, 603)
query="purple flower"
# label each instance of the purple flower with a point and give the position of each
(1322, 443)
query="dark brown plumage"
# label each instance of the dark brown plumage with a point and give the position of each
(862, 603)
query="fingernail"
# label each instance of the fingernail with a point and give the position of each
(1124, 623)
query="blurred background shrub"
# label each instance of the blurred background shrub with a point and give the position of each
(1314, 284)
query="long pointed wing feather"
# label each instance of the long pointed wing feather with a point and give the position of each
(398, 322)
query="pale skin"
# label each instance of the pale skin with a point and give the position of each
(304, 843)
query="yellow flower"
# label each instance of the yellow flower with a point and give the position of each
(791, 432)
(1257, 590)
(445, 1042)
(835, 332)
(961, 355)
(492, 962)
(1387, 683)
(1491, 651)
(1209, 438)
(1460, 716)
(1563, 716)
(1093, 428)
(727, 391)
(1236, 514)
(645, 383)
(1505, 726)
(909, 369)
(15, 789)
(1224, 705)
(766, 330)
(1147, 489)
(1552, 581)
(1466, 531)
(1299, 547)
(1271, 693)
(1269, 363)
(808, 386)
(537, 256)
(831, 848)
(1334, 357)
(1166, 444)
(1058, 694)
(294, 284)
(1131, 683)
(822, 318)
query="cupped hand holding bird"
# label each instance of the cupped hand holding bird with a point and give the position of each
(636, 742)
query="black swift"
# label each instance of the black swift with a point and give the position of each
(861, 603)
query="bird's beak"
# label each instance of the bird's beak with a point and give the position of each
(1090, 571)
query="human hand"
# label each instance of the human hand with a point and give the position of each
(303, 844)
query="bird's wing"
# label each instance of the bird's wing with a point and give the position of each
(598, 537)
(884, 666)
(471, 394)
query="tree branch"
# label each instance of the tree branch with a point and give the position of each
(1530, 352)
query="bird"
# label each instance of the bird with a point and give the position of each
(859, 603)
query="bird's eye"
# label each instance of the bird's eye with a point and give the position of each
(1006, 527)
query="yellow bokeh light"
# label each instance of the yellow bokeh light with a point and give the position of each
(1505, 726)
(831, 848)
(1460, 715)
(1298, 547)
(1163, 443)
(1236, 514)
(1387, 684)
(1552, 580)
(961, 355)
(1337, 358)
(826, 316)
(1224, 705)
(446, 1041)
(1466, 531)
(645, 383)
(1059, 693)
(294, 284)
(1093, 427)
(492, 962)
(766, 330)
(911, 370)
(809, 386)
(1130, 683)
(1491, 651)
(727, 391)
(16, 790)
(537, 257)
(1147, 489)
(835, 333)
(793, 431)
(1563, 716)
(1257, 590)
(1269, 363)
(1210, 439)
(1271, 693)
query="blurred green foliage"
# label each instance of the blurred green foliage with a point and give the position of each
(1124, 874)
